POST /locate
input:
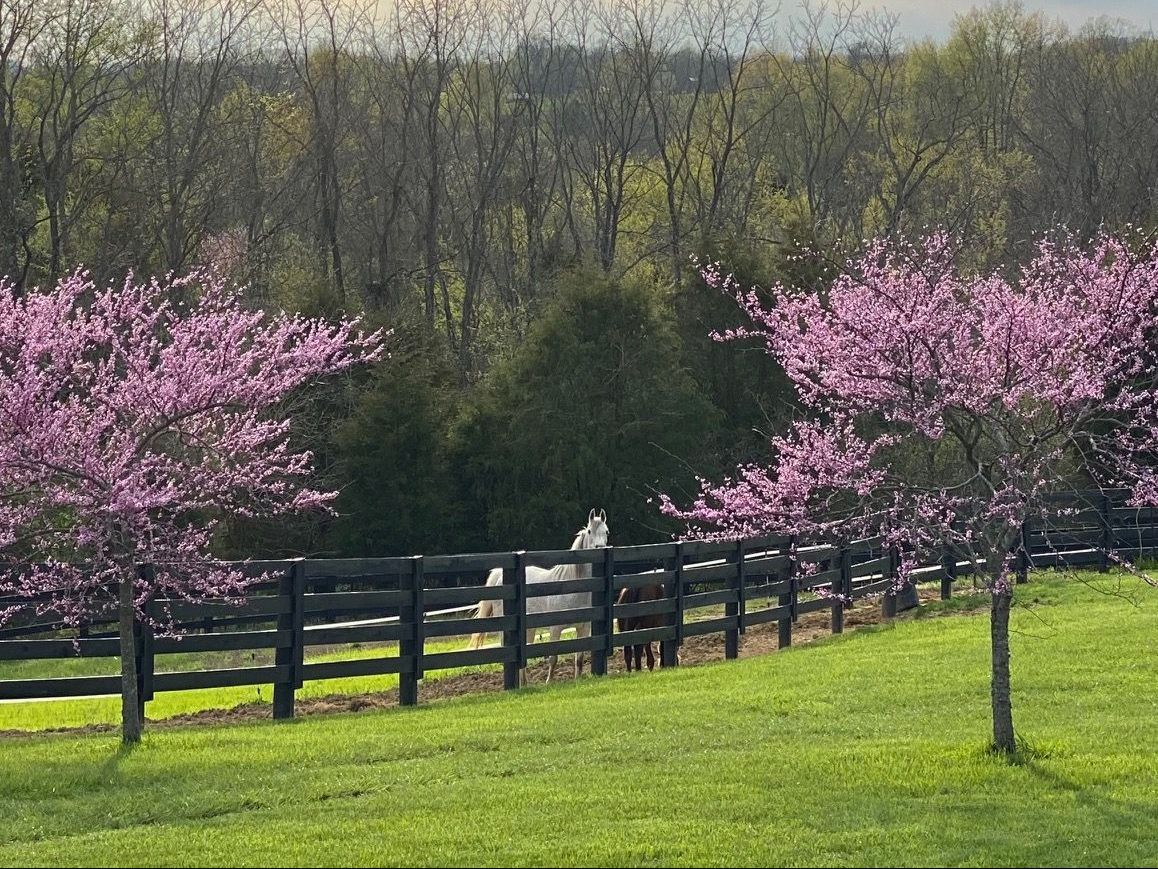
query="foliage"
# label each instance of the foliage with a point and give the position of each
(746, 385)
(1007, 390)
(131, 418)
(593, 409)
(399, 495)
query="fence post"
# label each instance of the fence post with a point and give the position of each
(669, 649)
(742, 586)
(794, 600)
(948, 571)
(1107, 533)
(286, 654)
(143, 645)
(419, 615)
(889, 602)
(137, 644)
(605, 625)
(299, 622)
(410, 647)
(516, 638)
(788, 599)
(847, 580)
(732, 635)
(838, 587)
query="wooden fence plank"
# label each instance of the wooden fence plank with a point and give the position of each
(710, 598)
(360, 667)
(31, 650)
(65, 686)
(226, 678)
(388, 632)
(469, 658)
(223, 642)
(592, 644)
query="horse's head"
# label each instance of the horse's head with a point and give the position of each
(595, 533)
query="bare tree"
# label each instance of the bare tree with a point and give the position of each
(998, 44)
(483, 112)
(385, 163)
(1085, 123)
(22, 25)
(84, 59)
(829, 116)
(432, 34)
(737, 103)
(260, 130)
(540, 85)
(921, 107)
(606, 123)
(321, 38)
(198, 50)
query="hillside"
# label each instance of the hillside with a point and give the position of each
(862, 749)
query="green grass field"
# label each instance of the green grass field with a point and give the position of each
(42, 715)
(864, 749)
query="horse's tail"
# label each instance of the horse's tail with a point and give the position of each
(626, 596)
(485, 609)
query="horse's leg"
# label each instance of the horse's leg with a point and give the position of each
(582, 631)
(627, 646)
(638, 650)
(523, 671)
(650, 657)
(556, 633)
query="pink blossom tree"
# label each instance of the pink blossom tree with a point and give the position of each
(941, 408)
(134, 417)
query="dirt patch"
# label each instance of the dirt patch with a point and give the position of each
(758, 640)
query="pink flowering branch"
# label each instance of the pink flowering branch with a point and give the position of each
(944, 408)
(134, 417)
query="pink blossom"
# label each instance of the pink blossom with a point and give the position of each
(133, 417)
(1011, 388)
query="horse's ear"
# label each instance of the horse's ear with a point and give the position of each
(591, 516)
(602, 515)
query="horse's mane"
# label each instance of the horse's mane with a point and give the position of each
(570, 571)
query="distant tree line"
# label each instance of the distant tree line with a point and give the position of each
(519, 189)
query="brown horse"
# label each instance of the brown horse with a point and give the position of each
(633, 623)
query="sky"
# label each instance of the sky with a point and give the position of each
(920, 18)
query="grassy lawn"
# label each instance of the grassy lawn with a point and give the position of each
(107, 710)
(43, 715)
(864, 749)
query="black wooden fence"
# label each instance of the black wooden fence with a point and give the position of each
(403, 602)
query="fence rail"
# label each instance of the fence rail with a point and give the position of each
(313, 603)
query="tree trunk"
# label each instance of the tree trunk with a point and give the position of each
(9, 231)
(130, 704)
(999, 634)
(55, 241)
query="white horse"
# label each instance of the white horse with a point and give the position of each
(593, 535)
